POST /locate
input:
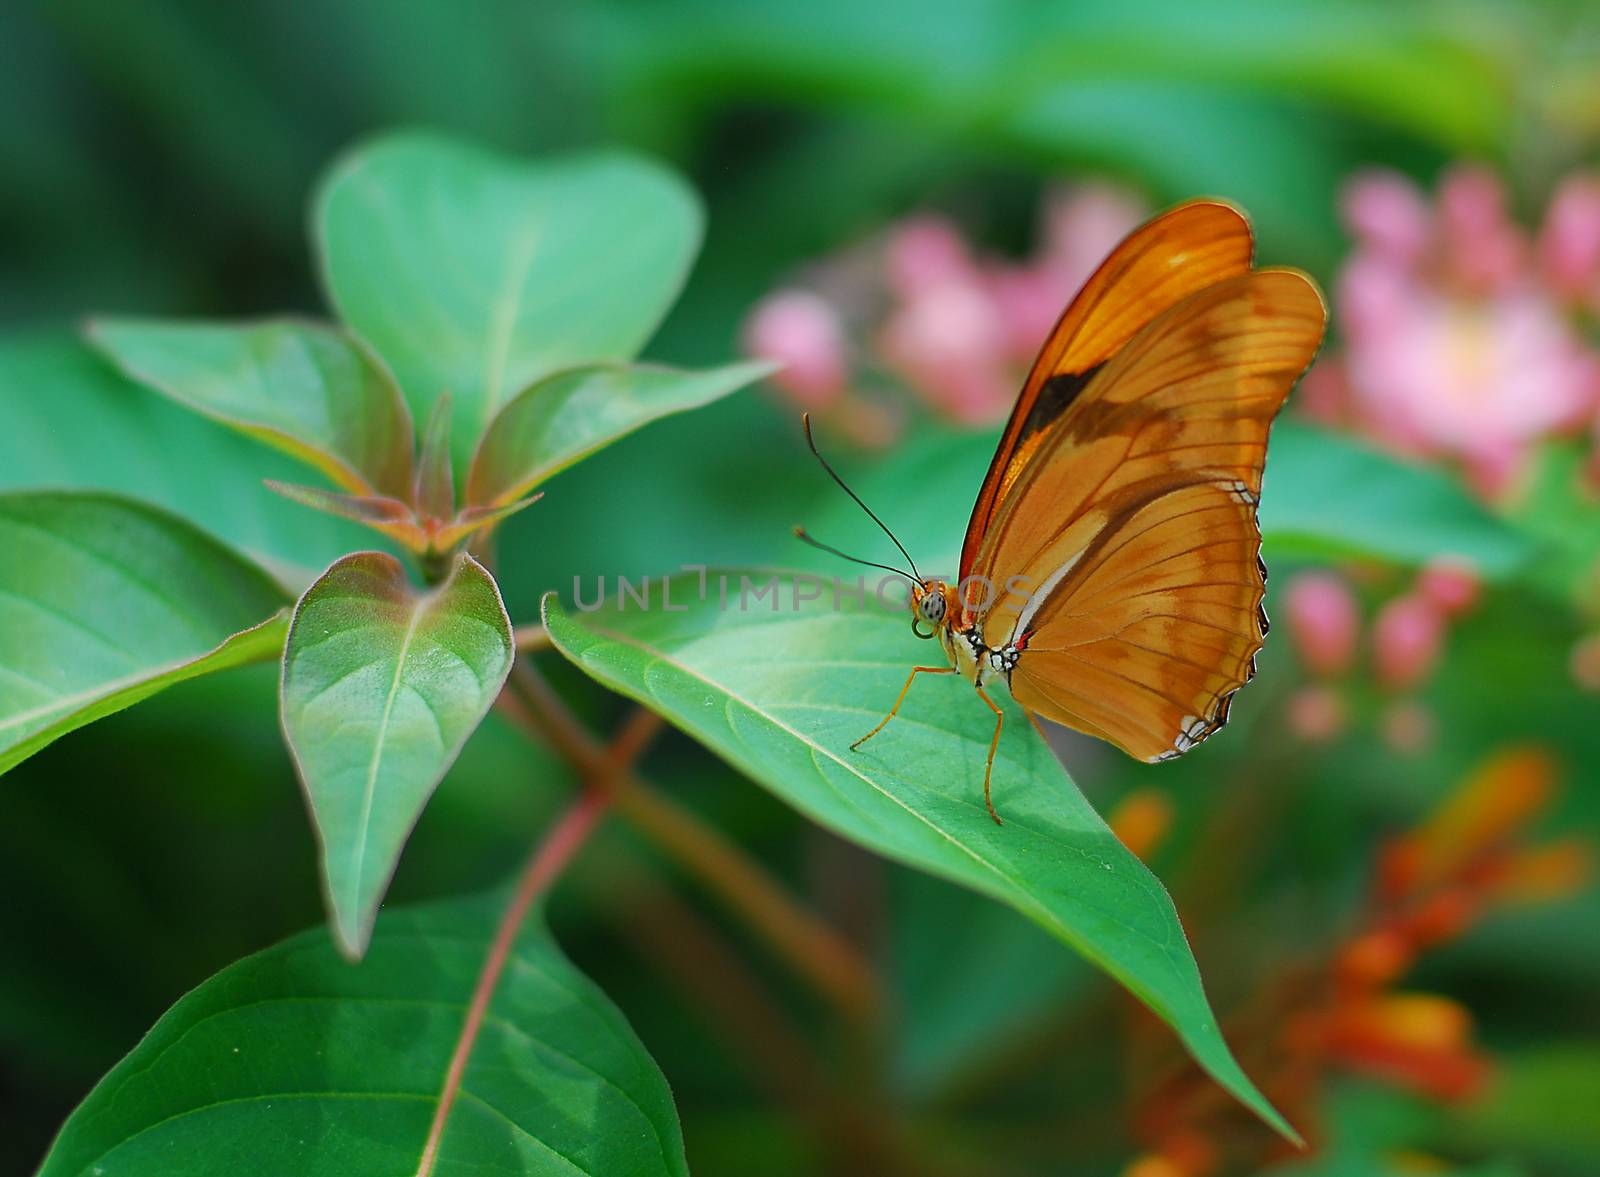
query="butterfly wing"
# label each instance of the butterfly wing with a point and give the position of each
(1131, 532)
(1170, 257)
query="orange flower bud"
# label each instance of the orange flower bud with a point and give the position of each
(1415, 1039)
(1141, 820)
(1376, 958)
(1546, 873)
(1442, 917)
(1493, 803)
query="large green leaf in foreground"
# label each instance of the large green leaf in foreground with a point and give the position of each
(478, 274)
(294, 1063)
(781, 689)
(104, 601)
(381, 687)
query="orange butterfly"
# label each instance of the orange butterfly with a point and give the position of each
(1111, 571)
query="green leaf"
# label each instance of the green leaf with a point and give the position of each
(72, 421)
(781, 687)
(568, 416)
(302, 387)
(381, 687)
(1328, 493)
(293, 1061)
(480, 274)
(105, 601)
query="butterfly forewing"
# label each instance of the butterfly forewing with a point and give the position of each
(1132, 523)
(1158, 265)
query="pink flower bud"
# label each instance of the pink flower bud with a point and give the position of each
(1323, 621)
(1407, 726)
(1316, 713)
(1387, 211)
(803, 333)
(1451, 584)
(1569, 243)
(1584, 662)
(1407, 638)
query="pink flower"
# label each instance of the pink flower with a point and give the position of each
(802, 332)
(1081, 225)
(1479, 379)
(1407, 638)
(950, 343)
(1453, 346)
(1451, 584)
(1480, 243)
(1388, 213)
(927, 251)
(1029, 300)
(1323, 621)
(1569, 242)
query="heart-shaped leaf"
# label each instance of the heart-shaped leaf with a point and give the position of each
(294, 1061)
(381, 687)
(480, 274)
(780, 686)
(565, 417)
(302, 387)
(105, 601)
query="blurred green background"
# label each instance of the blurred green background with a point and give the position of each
(158, 157)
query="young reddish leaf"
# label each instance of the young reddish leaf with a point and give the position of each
(473, 519)
(385, 515)
(381, 687)
(302, 387)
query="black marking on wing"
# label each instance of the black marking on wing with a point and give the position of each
(1055, 397)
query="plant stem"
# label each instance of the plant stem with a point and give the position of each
(563, 840)
(530, 639)
(794, 934)
(797, 936)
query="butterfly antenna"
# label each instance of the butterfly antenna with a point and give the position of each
(805, 420)
(804, 537)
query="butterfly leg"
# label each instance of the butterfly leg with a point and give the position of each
(910, 678)
(994, 746)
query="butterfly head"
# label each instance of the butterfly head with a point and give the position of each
(931, 604)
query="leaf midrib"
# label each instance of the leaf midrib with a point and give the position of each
(369, 793)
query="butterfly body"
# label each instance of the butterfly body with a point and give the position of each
(1111, 570)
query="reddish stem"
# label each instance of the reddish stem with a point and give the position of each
(564, 840)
